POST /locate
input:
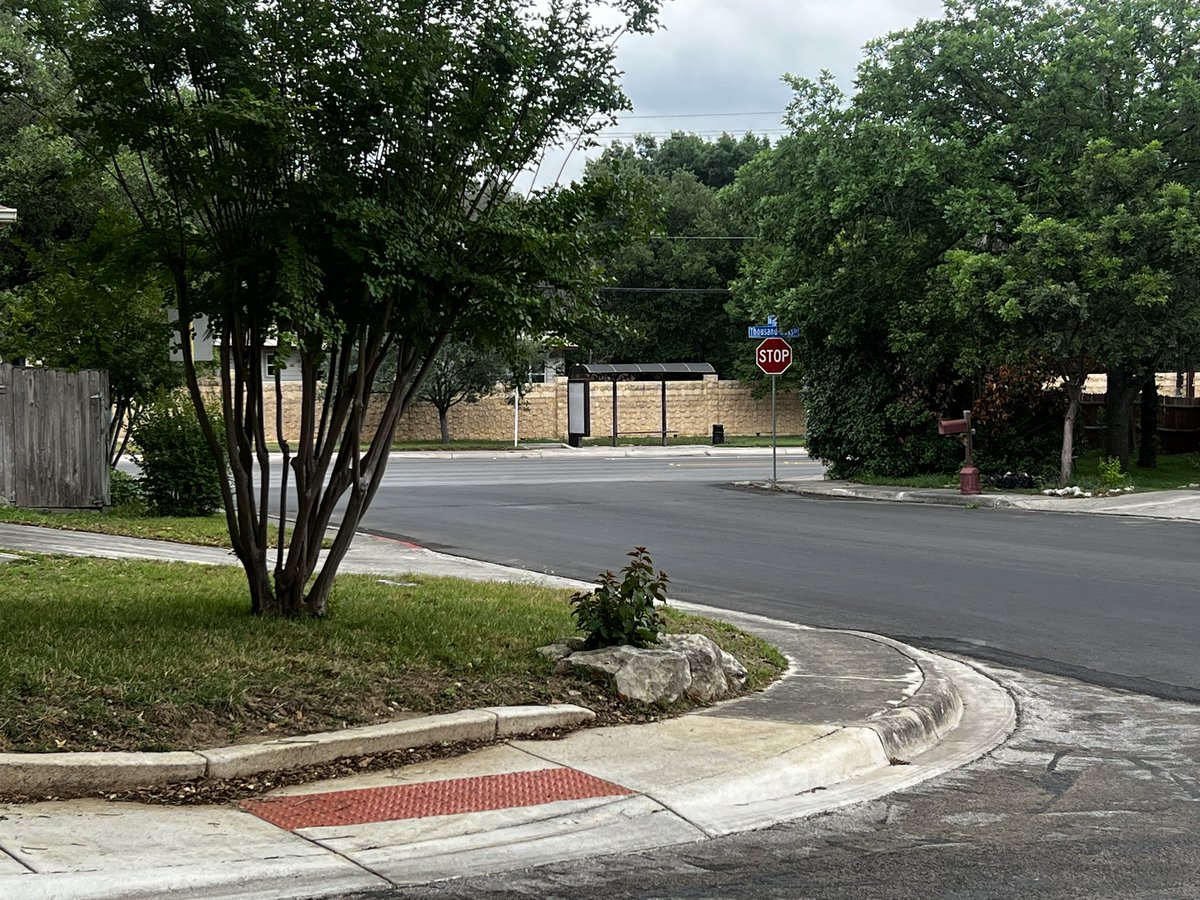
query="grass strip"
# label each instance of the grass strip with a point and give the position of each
(205, 531)
(1180, 470)
(140, 655)
(1173, 472)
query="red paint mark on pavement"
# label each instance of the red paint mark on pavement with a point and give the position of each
(431, 798)
(409, 545)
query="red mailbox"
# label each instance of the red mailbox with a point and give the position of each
(953, 426)
(968, 476)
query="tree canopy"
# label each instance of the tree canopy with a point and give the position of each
(1011, 184)
(74, 292)
(668, 294)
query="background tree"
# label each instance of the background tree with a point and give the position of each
(851, 224)
(38, 166)
(337, 175)
(980, 188)
(462, 373)
(670, 292)
(74, 292)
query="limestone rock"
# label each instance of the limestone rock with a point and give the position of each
(561, 648)
(704, 663)
(645, 676)
(681, 664)
(735, 672)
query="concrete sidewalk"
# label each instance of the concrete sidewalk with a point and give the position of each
(856, 716)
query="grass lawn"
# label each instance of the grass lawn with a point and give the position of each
(1172, 472)
(467, 445)
(210, 531)
(207, 531)
(914, 481)
(138, 655)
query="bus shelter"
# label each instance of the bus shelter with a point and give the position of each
(580, 378)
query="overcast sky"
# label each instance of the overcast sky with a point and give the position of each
(725, 58)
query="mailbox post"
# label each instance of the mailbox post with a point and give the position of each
(968, 475)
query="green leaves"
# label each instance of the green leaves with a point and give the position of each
(339, 175)
(1012, 181)
(623, 612)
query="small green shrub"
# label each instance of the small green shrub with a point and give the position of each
(1109, 471)
(179, 476)
(623, 612)
(125, 493)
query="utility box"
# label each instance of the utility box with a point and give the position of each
(718, 435)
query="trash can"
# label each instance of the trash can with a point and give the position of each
(718, 434)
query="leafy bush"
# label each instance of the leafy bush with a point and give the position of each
(623, 612)
(179, 477)
(125, 492)
(1109, 470)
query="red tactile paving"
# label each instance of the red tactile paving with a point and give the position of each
(431, 798)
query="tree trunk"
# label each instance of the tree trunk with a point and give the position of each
(444, 423)
(1123, 387)
(1148, 445)
(1067, 460)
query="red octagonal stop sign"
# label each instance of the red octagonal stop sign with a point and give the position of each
(773, 355)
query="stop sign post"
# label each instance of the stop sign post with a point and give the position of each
(773, 356)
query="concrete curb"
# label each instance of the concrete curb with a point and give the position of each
(927, 716)
(64, 774)
(915, 726)
(1170, 506)
(868, 492)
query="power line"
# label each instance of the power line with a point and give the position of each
(708, 133)
(769, 112)
(699, 237)
(650, 290)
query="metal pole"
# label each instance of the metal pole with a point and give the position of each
(663, 401)
(516, 416)
(967, 415)
(774, 468)
(614, 428)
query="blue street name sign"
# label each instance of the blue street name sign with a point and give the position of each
(757, 332)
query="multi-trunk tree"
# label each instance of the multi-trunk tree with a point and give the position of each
(336, 176)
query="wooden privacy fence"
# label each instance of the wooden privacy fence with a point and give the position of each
(53, 438)
(1178, 423)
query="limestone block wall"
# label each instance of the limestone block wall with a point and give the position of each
(693, 407)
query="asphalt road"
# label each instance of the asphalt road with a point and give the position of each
(1111, 600)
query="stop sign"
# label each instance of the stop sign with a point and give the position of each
(773, 355)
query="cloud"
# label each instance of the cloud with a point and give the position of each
(729, 56)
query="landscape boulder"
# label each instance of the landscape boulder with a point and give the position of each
(706, 662)
(680, 665)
